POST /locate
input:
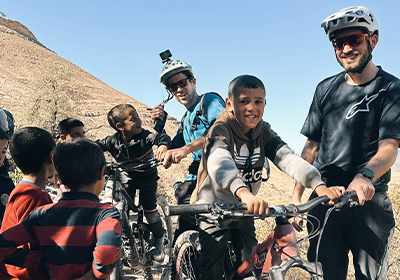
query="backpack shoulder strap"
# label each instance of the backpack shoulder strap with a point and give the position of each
(203, 109)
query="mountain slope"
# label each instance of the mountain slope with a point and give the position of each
(41, 88)
(36, 81)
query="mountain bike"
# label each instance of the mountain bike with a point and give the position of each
(136, 236)
(272, 259)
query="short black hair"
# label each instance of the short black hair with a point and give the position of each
(116, 114)
(4, 135)
(246, 81)
(65, 126)
(78, 162)
(29, 147)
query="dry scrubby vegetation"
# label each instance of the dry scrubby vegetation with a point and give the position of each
(40, 88)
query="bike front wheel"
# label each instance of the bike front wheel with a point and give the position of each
(186, 254)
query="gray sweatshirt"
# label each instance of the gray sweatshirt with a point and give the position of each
(225, 164)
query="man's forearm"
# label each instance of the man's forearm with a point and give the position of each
(384, 158)
(195, 145)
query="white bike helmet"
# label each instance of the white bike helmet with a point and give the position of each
(358, 16)
(172, 67)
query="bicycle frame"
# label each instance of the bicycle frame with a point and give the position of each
(279, 252)
(136, 235)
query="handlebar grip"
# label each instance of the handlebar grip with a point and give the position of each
(171, 210)
(303, 208)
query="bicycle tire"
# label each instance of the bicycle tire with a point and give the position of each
(161, 268)
(186, 254)
(117, 273)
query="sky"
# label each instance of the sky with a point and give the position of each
(281, 42)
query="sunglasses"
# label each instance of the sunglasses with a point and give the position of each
(352, 40)
(174, 87)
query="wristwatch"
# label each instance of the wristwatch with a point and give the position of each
(366, 172)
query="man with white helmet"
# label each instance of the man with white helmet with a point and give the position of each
(178, 78)
(353, 131)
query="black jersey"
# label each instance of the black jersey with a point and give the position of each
(349, 121)
(140, 147)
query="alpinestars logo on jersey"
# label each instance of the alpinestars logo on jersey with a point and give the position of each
(240, 158)
(363, 105)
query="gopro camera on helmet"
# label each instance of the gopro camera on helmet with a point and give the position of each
(165, 56)
(170, 68)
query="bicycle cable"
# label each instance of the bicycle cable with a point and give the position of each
(328, 213)
(314, 231)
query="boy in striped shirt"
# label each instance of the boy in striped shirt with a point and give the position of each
(78, 237)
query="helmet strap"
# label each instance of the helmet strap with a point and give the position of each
(367, 61)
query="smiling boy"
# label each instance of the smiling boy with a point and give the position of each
(230, 171)
(132, 142)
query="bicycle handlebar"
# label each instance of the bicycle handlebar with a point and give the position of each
(139, 165)
(276, 211)
(172, 210)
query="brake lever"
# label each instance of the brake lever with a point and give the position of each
(349, 198)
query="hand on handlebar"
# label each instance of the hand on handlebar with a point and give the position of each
(334, 193)
(363, 187)
(255, 205)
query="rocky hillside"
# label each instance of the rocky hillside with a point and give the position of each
(41, 88)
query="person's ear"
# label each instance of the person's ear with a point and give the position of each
(229, 105)
(194, 82)
(62, 137)
(119, 126)
(373, 40)
(101, 173)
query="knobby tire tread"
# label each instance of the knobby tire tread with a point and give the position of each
(186, 253)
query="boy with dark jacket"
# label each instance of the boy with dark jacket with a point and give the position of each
(132, 142)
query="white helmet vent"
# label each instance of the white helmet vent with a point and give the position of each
(352, 17)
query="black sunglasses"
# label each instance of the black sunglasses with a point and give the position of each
(174, 87)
